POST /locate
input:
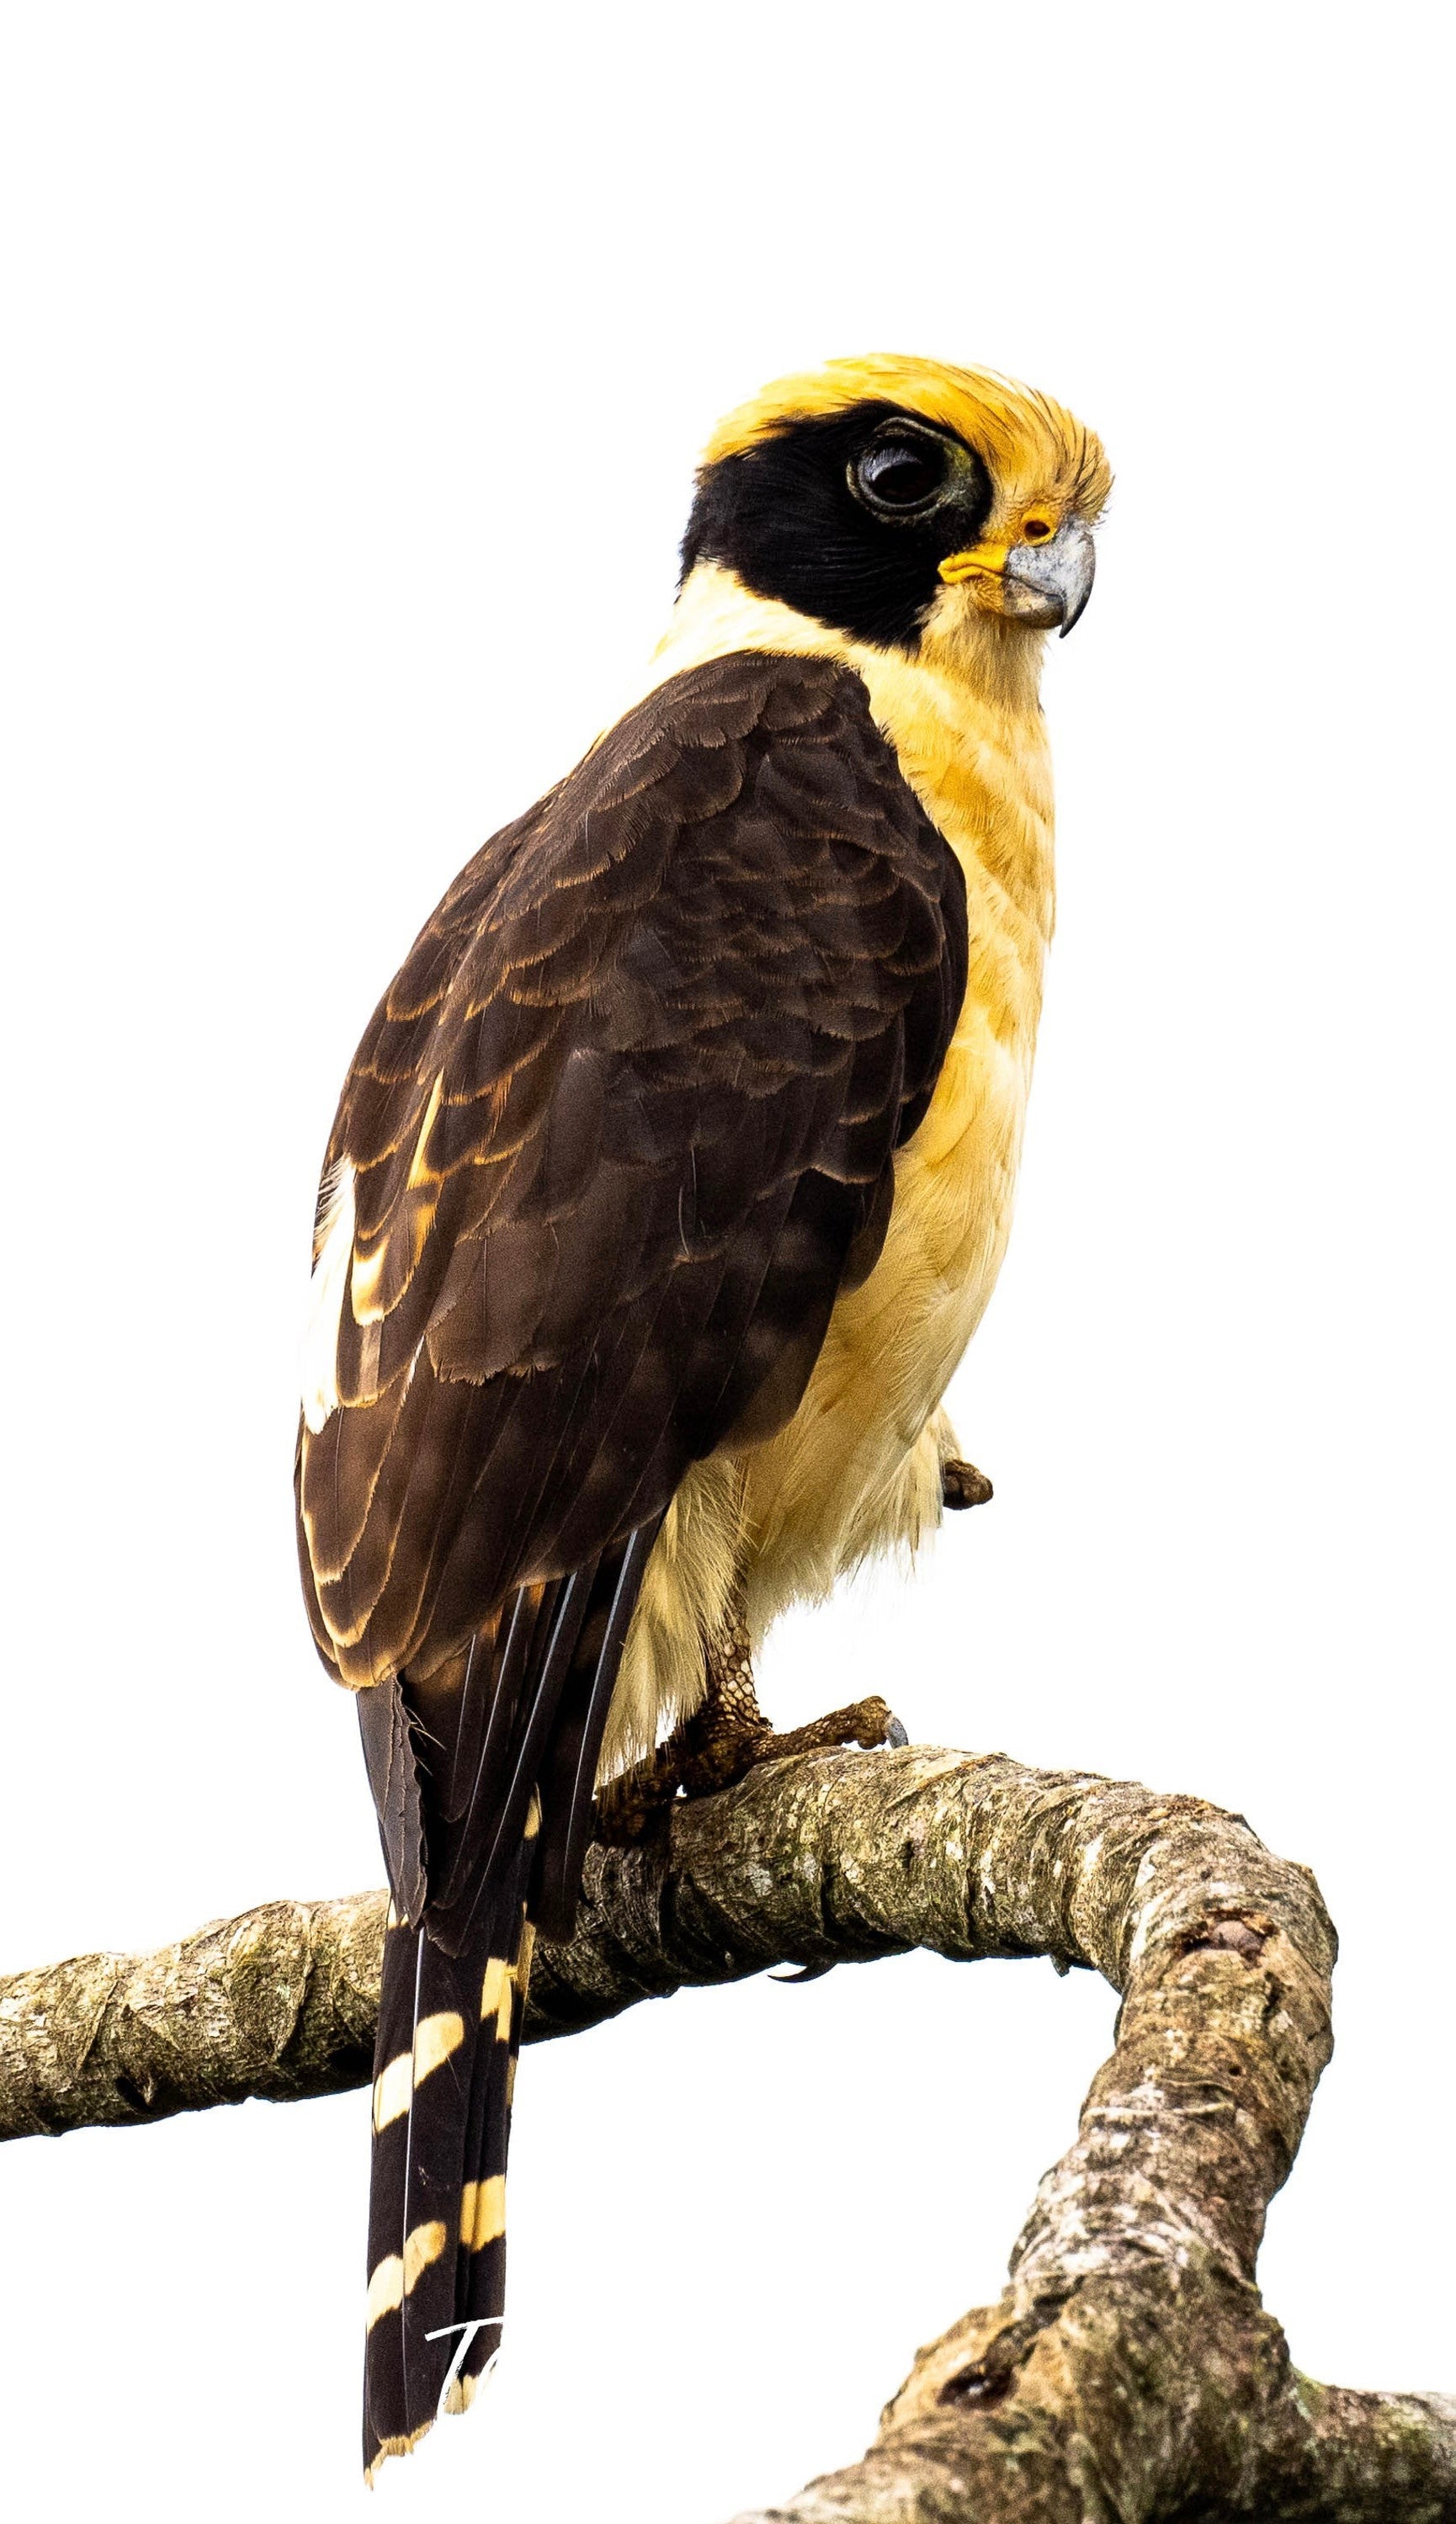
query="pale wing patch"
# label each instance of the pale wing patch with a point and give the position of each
(367, 1269)
(333, 1254)
(420, 1172)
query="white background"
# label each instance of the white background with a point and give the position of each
(357, 363)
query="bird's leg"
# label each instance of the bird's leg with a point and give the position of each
(725, 1736)
(728, 1733)
(629, 1806)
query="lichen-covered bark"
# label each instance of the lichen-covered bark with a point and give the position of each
(280, 2002)
(1129, 2372)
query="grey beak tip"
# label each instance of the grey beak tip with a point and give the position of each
(1060, 573)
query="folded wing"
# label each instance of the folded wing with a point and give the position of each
(614, 1138)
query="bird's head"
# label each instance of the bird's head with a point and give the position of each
(906, 504)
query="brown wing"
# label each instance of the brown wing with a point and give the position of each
(611, 1143)
(612, 1134)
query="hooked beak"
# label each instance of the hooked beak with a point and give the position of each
(1041, 584)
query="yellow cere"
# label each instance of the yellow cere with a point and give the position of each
(982, 560)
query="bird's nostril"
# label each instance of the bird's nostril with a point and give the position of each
(1036, 530)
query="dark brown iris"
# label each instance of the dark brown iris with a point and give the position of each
(901, 474)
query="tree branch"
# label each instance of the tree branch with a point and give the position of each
(1128, 2370)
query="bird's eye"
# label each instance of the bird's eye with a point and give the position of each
(899, 474)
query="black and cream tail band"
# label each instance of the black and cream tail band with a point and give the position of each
(444, 2069)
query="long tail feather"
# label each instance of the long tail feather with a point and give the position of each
(482, 1774)
(569, 1782)
(448, 2032)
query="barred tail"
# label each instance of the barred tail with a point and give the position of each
(460, 1762)
(444, 2069)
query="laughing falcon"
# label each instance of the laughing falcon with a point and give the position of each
(669, 1183)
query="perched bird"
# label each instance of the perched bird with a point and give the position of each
(669, 1183)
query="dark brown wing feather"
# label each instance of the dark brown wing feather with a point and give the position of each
(618, 1133)
(617, 1129)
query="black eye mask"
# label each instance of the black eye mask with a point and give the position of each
(846, 517)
